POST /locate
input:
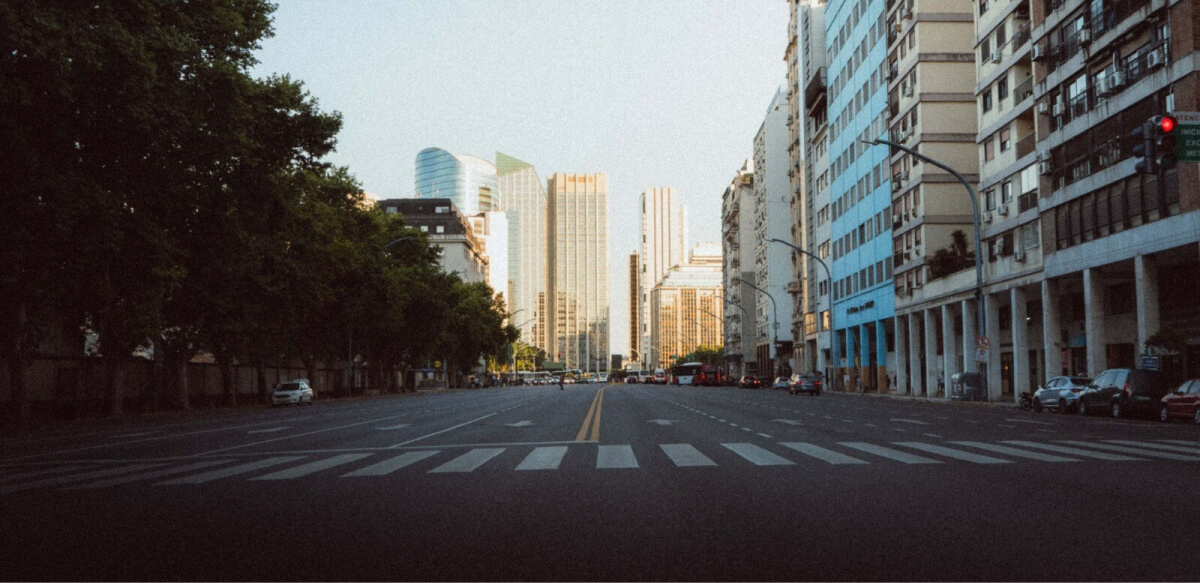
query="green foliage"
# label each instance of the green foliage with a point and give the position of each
(704, 354)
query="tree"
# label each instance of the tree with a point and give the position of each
(951, 260)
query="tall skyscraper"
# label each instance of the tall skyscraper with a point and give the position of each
(524, 199)
(578, 283)
(635, 308)
(772, 220)
(663, 244)
(469, 182)
(687, 310)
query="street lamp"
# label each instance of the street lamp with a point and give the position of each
(405, 238)
(979, 309)
(774, 318)
(829, 277)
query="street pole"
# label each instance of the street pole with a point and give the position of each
(980, 311)
(774, 318)
(829, 277)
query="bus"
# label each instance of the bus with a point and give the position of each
(696, 374)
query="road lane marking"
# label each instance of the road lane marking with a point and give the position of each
(1177, 448)
(932, 435)
(1012, 451)
(1182, 442)
(1134, 451)
(148, 475)
(616, 456)
(825, 455)
(587, 420)
(757, 455)
(1075, 451)
(271, 430)
(391, 427)
(596, 420)
(314, 467)
(910, 421)
(953, 453)
(1028, 421)
(77, 477)
(468, 462)
(891, 454)
(296, 435)
(765, 435)
(231, 471)
(543, 458)
(42, 472)
(386, 467)
(684, 455)
(404, 443)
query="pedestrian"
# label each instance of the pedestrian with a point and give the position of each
(941, 382)
(560, 383)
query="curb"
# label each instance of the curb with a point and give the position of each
(933, 400)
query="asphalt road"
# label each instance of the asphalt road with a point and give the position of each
(596, 482)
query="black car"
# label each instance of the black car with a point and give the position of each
(751, 382)
(1125, 391)
(808, 383)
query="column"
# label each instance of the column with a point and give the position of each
(864, 359)
(914, 354)
(1051, 328)
(885, 382)
(949, 346)
(1145, 273)
(901, 353)
(992, 305)
(851, 362)
(1093, 308)
(970, 325)
(835, 362)
(1020, 342)
(931, 367)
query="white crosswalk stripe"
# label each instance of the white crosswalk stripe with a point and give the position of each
(314, 467)
(757, 455)
(388, 466)
(173, 471)
(1135, 451)
(468, 462)
(1148, 444)
(543, 458)
(41, 472)
(1014, 452)
(900, 456)
(1182, 442)
(616, 456)
(76, 477)
(231, 471)
(684, 455)
(825, 455)
(1075, 451)
(953, 453)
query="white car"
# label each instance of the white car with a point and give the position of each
(603, 377)
(297, 392)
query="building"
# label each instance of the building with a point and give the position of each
(1119, 248)
(469, 182)
(523, 198)
(492, 229)
(737, 267)
(663, 244)
(859, 193)
(462, 251)
(577, 220)
(635, 308)
(687, 312)
(706, 253)
(772, 261)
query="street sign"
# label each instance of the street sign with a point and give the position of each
(1149, 363)
(1187, 149)
(981, 355)
(984, 343)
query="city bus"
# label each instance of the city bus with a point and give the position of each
(696, 374)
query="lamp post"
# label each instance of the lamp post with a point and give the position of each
(774, 318)
(829, 277)
(979, 308)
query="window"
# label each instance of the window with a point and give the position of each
(986, 100)
(441, 229)
(441, 210)
(985, 50)
(1001, 35)
(989, 150)
(1006, 192)
(1005, 139)
(989, 197)
(1029, 236)
(424, 228)
(1002, 88)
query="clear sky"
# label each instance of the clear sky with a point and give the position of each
(651, 92)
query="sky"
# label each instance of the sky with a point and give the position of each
(651, 92)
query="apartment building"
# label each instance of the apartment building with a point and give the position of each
(737, 250)
(462, 251)
(772, 261)
(813, 326)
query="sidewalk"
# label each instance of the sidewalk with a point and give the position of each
(939, 400)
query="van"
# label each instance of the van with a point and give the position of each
(660, 377)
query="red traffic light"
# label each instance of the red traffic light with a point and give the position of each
(1166, 123)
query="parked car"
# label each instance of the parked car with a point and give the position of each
(809, 383)
(1183, 403)
(1125, 391)
(603, 378)
(780, 383)
(296, 392)
(751, 382)
(1060, 394)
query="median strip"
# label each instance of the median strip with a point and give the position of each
(593, 414)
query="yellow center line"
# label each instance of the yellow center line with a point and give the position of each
(596, 420)
(583, 431)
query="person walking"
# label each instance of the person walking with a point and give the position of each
(560, 383)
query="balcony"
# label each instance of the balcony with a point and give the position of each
(1026, 145)
(1023, 91)
(1027, 201)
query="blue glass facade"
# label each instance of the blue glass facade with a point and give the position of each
(860, 191)
(469, 182)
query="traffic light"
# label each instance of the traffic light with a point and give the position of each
(1144, 148)
(1164, 141)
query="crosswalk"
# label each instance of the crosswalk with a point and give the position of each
(82, 475)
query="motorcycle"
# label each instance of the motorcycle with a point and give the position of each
(1026, 401)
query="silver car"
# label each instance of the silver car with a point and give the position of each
(1060, 394)
(297, 392)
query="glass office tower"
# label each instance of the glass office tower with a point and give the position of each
(578, 249)
(469, 182)
(525, 202)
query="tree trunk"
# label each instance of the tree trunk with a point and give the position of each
(224, 362)
(17, 362)
(260, 374)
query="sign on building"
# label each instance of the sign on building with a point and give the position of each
(1187, 149)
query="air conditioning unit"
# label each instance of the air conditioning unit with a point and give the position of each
(1116, 80)
(897, 27)
(1155, 59)
(1043, 107)
(1085, 36)
(1060, 108)
(997, 56)
(987, 218)
(1019, 256)
(1044, 167)
(1039, 53)
(1002, 210)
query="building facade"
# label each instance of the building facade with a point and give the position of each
(737, 250)
(635, 309)
(577, 220)
(469, 182)
(687, 310)
(772, 218)
(462, 252)
(523, 197)
(663, 244)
